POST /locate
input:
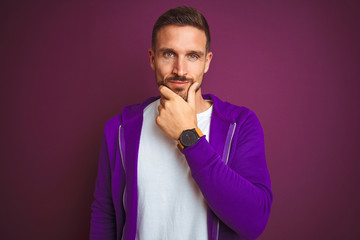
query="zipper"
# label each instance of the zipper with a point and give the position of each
(225, 158)
(229, 137)
(121, 154)
(123, 165)
(217, 230)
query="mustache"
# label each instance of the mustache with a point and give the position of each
(178, 78)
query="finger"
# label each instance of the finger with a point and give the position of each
(191, 94)
(167, 92)
(160, 107)
(162, 101)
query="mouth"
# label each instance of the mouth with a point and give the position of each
(178, 83)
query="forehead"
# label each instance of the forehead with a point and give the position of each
(186, 38)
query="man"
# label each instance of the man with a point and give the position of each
(182, 166)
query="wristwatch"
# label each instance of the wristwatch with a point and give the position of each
(189, 137)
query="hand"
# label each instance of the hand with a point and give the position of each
(176, 114)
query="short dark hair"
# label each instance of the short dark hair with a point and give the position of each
(182, 16)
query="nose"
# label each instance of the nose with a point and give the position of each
(179, 67)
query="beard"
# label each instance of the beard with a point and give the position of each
(182, 92)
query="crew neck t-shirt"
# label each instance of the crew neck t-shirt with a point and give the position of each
(170, 204)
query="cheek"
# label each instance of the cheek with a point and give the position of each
(164, 68)
(198, 70)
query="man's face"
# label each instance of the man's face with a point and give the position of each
(180, 58)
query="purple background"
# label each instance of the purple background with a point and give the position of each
(67, 67)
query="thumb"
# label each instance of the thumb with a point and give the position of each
(191, 94)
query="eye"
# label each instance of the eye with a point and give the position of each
(168, 54)
(193, 56)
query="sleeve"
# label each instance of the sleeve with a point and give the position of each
(102, 225)
(238, 193)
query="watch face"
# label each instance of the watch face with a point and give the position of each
(188, 138)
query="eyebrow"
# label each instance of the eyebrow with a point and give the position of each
(200, 53)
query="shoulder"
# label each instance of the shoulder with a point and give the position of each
(112, 123)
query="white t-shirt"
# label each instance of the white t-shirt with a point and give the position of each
(170, 204)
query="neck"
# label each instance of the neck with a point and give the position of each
(201, 104)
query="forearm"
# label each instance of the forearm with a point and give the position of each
(242, 205)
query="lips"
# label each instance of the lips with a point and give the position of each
(179, 83)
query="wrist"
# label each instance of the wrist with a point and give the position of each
(189, 137)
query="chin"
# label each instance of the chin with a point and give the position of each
(183, 94)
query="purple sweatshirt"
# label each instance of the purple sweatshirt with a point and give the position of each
(230, 171)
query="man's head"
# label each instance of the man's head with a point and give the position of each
(180, 49)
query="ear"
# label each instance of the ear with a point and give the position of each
(207, 61)
(152, 58)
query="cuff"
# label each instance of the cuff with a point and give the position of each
(200, 155)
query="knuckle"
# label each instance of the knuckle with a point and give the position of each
(166, 104)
